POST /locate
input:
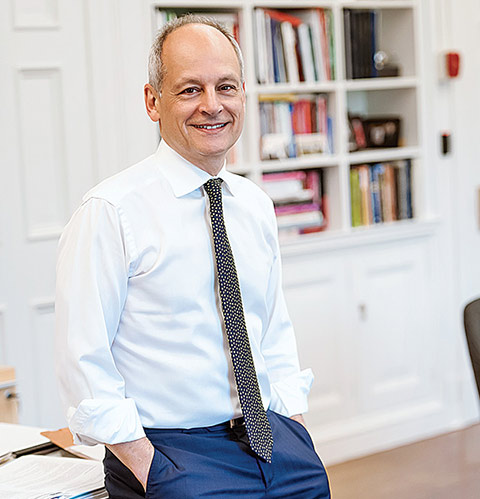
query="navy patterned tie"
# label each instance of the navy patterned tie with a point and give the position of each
(258, 427)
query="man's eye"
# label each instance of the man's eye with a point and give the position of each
(190, 90)
(227, 88)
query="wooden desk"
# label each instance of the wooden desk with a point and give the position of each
(8, 395)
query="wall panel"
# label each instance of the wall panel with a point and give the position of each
(44, 186)
(35, 14)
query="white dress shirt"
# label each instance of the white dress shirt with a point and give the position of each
(139, 333)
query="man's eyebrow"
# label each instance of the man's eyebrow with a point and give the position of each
(183, 82)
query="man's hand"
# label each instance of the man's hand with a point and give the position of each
(299, 419)
(137, 456)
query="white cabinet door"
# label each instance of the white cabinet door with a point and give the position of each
(315, 294)
(393, 335)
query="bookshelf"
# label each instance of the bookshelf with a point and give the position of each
(277, 91)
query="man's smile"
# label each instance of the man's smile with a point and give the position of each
(210, 127)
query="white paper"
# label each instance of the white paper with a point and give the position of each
(16, 437)
(35, 477)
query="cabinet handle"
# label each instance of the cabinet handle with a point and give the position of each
(362, 311)
(9, 395)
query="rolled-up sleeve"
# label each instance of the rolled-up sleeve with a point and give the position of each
(289, 385)
(95, 254)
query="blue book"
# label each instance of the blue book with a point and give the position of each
(375, 172)
(330, 134)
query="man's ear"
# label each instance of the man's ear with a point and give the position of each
(151, 97)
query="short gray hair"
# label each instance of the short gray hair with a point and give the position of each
(157, 70)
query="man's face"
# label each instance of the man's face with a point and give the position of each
(202, 102)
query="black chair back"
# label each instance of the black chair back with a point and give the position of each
(471, 318)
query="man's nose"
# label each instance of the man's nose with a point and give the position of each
(210, 102)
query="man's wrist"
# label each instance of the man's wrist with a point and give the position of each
(137, 456)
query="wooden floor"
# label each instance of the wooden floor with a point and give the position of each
(445, 467)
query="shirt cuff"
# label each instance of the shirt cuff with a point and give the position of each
(105, 421)
(289, 395)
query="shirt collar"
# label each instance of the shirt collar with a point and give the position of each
(183, 176)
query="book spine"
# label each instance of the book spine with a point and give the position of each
(355, 201)
(347, 23)
(331, 45)
(375, 172)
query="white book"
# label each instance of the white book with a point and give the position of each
(306, 52)
(288, 36)
(269, 45)
(305, 219)
(261, 53)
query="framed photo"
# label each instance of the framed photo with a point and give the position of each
(382, 132)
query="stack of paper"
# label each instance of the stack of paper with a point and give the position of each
(45, 477)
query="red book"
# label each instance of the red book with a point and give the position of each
(325, 43)
(283, 16)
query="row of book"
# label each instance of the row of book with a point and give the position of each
(294, 125)
(294, 46)
(300, 200)
(229, 20)
(360, 43)
(381, 192)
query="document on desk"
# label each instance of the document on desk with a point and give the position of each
(45, 477)
(15, 437)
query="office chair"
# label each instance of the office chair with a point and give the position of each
(471, 317)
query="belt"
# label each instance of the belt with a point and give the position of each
(233, 423)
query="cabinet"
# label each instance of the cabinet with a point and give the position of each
(363, 323)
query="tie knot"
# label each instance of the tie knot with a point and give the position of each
(213, 187)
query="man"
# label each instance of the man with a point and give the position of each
(173, 336)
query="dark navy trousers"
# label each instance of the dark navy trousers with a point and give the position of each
(218, 462)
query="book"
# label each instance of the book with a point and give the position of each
(360, 35)
(347, 23)
(294, 125)
(355, 198)
(300, 200)
(365, 194)
(306, 52)
(376, 172)
(289, 41)
(381, 192)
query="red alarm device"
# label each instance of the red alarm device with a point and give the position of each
(452, 64)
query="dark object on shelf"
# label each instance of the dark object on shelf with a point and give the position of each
(388, 71)
(471, 318)
(382, 132)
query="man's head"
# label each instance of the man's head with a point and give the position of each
(196, 90)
